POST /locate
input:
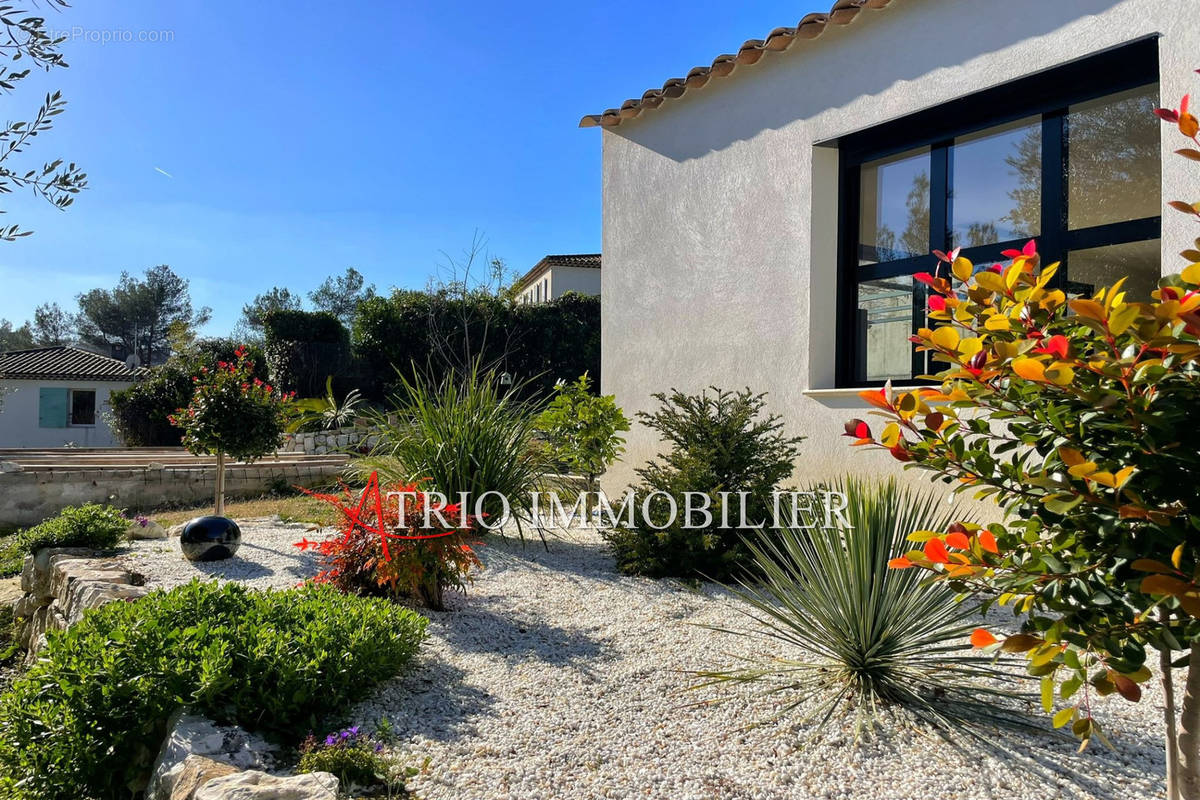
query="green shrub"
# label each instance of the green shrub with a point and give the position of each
(8, 634)
(88, 718)
(583, 430)
(464, 433)
(91, 525)
(872, 637)
(12, 556)
(719, 442)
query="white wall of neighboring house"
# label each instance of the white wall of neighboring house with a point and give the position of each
(573, 279)
(720, 208)
(557, 281)
(19, 415)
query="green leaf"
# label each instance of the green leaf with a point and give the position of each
(1048, 694)
(1062, 504)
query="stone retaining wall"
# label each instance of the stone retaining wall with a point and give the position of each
(335, 440)
(59, 584)
(29, 496)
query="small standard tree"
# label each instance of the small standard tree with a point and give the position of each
(232, 414)
(584, 429)
(1081, 417)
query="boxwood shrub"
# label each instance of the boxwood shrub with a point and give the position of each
(91, 525)
(88, 718)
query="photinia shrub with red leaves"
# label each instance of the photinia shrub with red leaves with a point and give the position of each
(374, 553)
(1081, 418)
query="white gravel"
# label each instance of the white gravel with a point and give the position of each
(555, 677)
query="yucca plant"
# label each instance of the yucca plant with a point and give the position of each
(872, 638)
(326, 413)
(464, 432)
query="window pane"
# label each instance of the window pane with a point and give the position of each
(996, 190)
(83, 408)
(1088, 270)
(884, 325)
(894, 208)
(1112, 159)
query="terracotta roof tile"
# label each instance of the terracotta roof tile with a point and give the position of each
(64, 363)
(811, 26)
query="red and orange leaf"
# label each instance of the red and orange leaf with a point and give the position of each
(981, 638)
(935, 551)
(958, 540)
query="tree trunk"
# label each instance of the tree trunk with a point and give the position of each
(1189, 731)
(220, 498)
(1172, 747)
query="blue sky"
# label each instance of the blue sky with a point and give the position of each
(307, 137)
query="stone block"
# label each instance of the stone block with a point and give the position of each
(151, 530)
(37, 574)
(67, 571)
(46, 618)
(26, 604)
(195, 772)
(85, 595)
(189, 737)
(255, 785)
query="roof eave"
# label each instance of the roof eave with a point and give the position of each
(810, 26)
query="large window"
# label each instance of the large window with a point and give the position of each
(1070, 158)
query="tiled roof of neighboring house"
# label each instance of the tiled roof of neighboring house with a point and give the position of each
(810, 27)
(582, 260)
(63, 364)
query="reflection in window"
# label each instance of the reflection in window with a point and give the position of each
(1113, 169)
(996, 192)
(885, 323)
(894, 208)
(1139, 262)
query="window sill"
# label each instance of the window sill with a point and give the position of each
(854, 390)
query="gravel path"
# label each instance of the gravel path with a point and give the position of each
(557, 678)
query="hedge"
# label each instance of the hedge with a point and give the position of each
(305, 347)
(537, 342)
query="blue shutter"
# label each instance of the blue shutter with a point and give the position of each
(52, 407)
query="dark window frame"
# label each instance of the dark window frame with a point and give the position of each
(1048, 95)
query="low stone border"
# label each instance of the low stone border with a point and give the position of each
(59, 584)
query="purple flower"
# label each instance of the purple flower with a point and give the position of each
(331, 739)
(353, 731)
(379, 747)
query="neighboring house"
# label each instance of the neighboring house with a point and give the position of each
(54, 396)
(763, 216)
(554, 276)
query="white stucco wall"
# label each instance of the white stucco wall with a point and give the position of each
(19, 416)
(557, 281)
(573, 279)
(720, 208)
